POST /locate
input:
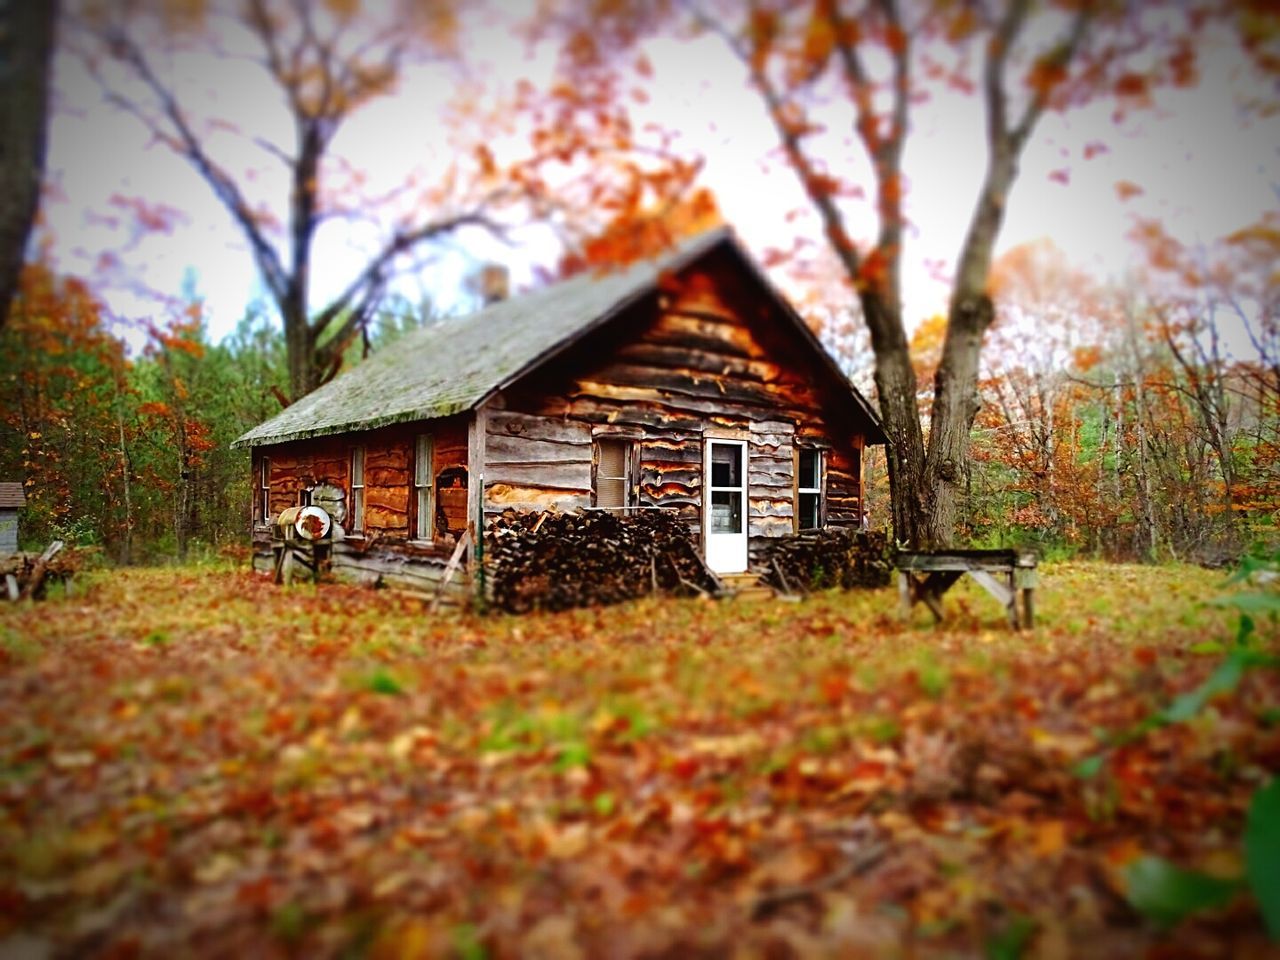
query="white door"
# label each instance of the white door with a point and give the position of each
(725, 505)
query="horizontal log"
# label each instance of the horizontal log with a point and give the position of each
(504, 496)
(534, 427)
(685, 476)
(677, 357)
(384, 476)
(570, 476)
(377, 518)
(505, 448)
(388, 498)
(773, 427)
(769, 526)
(590, 409)
(665, 451)
(770, 471)
(393, 457)
(694, 409)
(657, 384)
(728, 336)
(769, 507)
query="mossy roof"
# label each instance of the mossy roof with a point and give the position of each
(457, 364)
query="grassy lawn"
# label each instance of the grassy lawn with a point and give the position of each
(197, 762)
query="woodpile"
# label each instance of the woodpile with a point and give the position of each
(553, 561)
(28, 574)
(818, 559)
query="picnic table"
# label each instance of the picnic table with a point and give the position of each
(1008, 575)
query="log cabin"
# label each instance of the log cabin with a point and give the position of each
(686, 383)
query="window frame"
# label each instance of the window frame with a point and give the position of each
(264, 491)
(424, 490)
(819, 491)
(359, 454)
(629, 472)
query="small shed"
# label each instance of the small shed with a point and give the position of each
(12, 499)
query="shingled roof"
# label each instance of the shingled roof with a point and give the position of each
(456, 365)
(12, 495)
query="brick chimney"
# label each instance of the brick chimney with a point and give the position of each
(495, 283)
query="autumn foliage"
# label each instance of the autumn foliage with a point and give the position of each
(127, 453)
(202, 762)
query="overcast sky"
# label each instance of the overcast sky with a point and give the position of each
(1203, 173)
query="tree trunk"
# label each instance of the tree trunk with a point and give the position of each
(298, 347)
(955, 401)
(126, 468)
(26, 47)
(896, 389)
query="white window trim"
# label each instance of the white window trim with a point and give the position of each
(424, 495)
(820, 489)
(357, 483)
(264, 491)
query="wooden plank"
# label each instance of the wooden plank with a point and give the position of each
(1002, 594)
(482, 421)
(759, 507)
(921, 559)
(532, 426)
(503, 496)
(463, 542)
(769, 526)
(574, 475)
(677, 356)
(505, 448)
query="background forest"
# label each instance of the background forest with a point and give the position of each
(1113, 421)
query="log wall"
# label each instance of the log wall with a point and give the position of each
(384, 551)
(708, 356)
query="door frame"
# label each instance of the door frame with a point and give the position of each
(741, 552)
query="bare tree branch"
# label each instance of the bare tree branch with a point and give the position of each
(184, 140)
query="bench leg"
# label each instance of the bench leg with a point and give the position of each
(1013, 602)
(933, 601)
(1028, 608)
(904, 595)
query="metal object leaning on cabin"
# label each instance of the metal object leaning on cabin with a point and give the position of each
(307, 523)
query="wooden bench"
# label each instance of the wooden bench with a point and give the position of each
(1008, 575)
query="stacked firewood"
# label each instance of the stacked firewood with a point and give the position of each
(27, 574)
(817, 559)
(553, 561)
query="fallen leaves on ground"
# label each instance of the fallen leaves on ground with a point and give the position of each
(196, 761)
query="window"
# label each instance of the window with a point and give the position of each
(264, 484)
(809, 490)
(422, 486)
(613, 473)
(356, 517)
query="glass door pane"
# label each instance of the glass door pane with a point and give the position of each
(726, 465)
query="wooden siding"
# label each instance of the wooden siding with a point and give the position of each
(402, 568)
(8, 532)
(706, 358)
(384, 551)
(536, 463)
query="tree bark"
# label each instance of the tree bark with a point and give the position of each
(900, 412)
(26, 49)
